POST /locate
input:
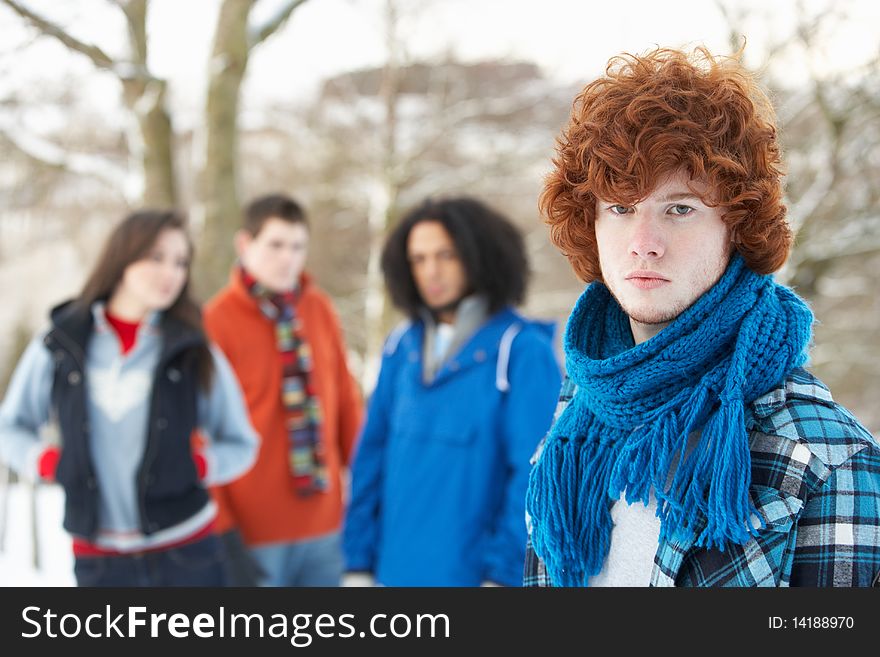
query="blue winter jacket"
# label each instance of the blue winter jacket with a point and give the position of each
(441, 470)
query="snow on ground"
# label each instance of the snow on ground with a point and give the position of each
(17, 566)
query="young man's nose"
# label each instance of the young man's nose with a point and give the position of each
(288, 257)
(647, 240)
(431, 268)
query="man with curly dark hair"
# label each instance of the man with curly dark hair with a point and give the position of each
(685, 388)
(466, 390)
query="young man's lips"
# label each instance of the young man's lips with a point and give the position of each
(646, 280)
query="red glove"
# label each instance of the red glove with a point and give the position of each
(201, 463)
(47, 462)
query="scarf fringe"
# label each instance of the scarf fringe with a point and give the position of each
(576, 480)
(571, 520)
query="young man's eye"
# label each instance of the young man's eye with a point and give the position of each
(681, 210)
(617, 208)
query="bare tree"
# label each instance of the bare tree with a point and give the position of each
(152, 144)
(144, 95)
(233, 45)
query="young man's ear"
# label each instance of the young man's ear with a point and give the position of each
(241, 240)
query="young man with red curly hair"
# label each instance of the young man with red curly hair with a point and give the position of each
(686, 390)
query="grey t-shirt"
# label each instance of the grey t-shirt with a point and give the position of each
(635, 537)
(634, 542)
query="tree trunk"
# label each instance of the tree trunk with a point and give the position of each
(383, 206)
(150, 137)
(151, 145)
(377, 309)
(219, 185)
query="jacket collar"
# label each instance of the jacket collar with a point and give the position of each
(471, 315)
(481, 346)
(151, 322)
(72, 326)
(802, 385)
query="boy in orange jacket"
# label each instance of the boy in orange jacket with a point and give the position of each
(283, 339)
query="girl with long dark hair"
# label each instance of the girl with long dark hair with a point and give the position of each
(126, 375)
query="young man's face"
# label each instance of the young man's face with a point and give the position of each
(276, 256)
(659, 256)
(439, 274)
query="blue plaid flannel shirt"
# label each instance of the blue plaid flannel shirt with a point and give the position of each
(815, 481)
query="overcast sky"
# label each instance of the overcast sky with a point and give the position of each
(570, 39)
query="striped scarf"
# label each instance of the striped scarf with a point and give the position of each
(627, 427)
(303, 413)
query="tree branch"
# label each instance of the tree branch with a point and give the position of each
(51, 155)
(276, 22)
(47, 27)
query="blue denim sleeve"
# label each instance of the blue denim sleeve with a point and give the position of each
(25, 409)
(232, 441)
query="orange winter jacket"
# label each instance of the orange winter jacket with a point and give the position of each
(263, 503)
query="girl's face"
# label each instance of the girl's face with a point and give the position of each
(155, 281)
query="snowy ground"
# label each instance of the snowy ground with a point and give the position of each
(17, 567)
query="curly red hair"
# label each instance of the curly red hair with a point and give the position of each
(656, 114)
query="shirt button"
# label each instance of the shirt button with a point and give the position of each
(479, 355)
(74, 378)
(161, 423)
(174, 375)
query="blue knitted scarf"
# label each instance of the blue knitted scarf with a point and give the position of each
(627, 426)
